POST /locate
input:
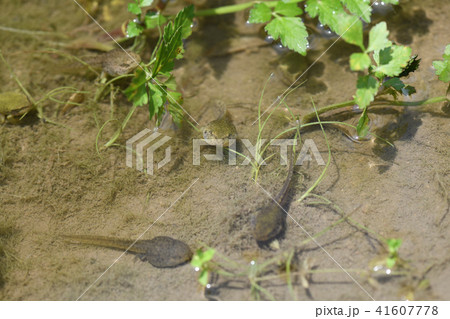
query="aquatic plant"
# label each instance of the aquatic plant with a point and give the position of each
(381, 65)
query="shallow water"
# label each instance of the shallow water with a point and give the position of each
(52, 181)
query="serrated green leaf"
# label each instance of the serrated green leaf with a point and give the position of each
(332, 14)
(362, 128)
(291, 31)
(359, 61)
(134, 8)
(395, 83)
(136, 92)
(447, 52)
(367, 87)
(360, 8)
(134, 29)
(442, 70)
(390, 1)
(156, 101)
(172, 46)
(378, 37)
(260, 13)
(288, 9)
(392, 60)
(443, 67)
(184, 20)
(153, 19)
(326, 9)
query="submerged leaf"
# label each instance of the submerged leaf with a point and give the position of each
(367, 88)
(359, 8)
(396, 83)
(260, 13)
(156, 101)
(362, 129)
(291, 31)
(443, 67)
(332, 14)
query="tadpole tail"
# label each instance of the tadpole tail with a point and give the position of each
(282, 195)
(104, 241)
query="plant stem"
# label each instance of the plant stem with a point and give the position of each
(121, 128)
(311, 116)
(432, 100)
(233, 8)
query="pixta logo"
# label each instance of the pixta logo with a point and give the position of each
(144, 141)
(147, 141)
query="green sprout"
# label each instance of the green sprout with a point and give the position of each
(200, 262)
(443, 67)
(393, 247)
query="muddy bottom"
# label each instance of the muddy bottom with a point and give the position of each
(53, 182)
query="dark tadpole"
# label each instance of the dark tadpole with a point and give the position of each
(161, 251)
(270, 221)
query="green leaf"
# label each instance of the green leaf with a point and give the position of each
(408, 90)
(137, 92)
(288, 9)
(332, 14)
(145, 3)
(260, 13)
(183, 20)
(390, 1)
(359, 61)
(359, 8)
(291, 31)
(392, 60)
(203, 278)
(201, 257)
(153, 19)
(367, 87)
(378, 37)
(156, 101)
(443, 67)
(134, 8)
(134, 29)
(390, 262)
(350, 28)
(362, 129)
(396, 83)
(172, 46)
(393, 245)
(442, 70)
